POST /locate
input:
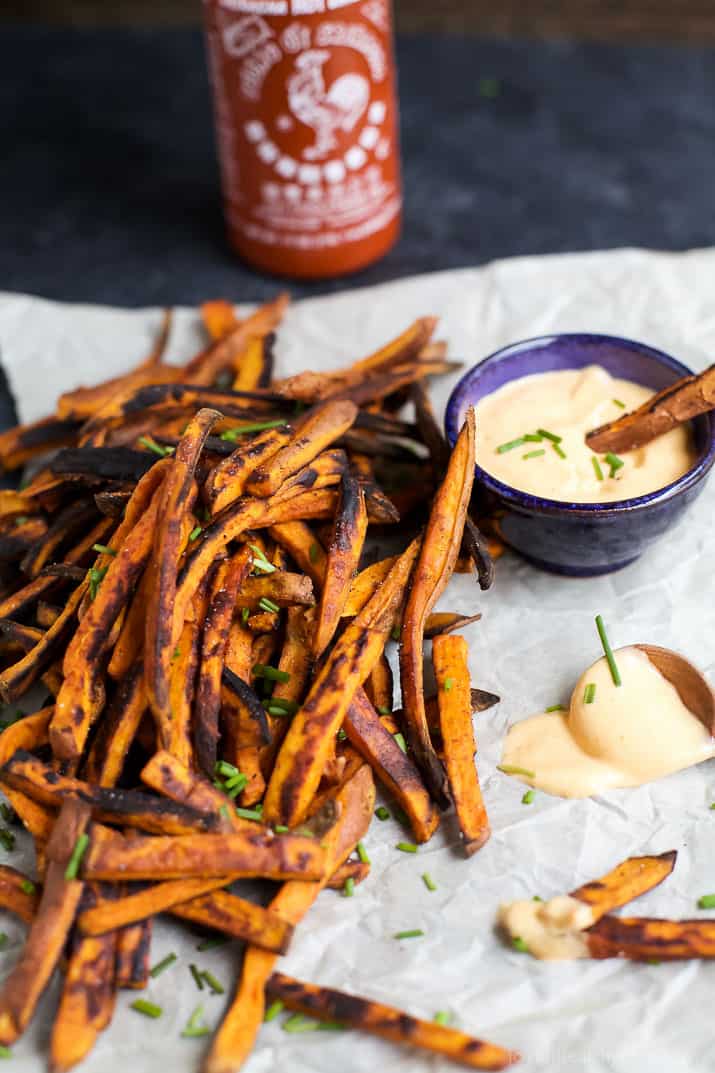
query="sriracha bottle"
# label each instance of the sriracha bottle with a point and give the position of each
(306, 122)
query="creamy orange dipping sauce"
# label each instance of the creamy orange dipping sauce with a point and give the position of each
(568, 404)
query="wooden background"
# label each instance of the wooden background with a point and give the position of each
(634, 20)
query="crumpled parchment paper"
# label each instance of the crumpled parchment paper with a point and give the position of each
(535, 638)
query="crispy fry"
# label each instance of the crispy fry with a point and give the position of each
(356, 870)
(366, 584)
(133, 956)
(344, 551)
(167, 775)
(255, 367)
(14, 897)
(379, 687)
(20, 444)
(227, 481)
(184, 667)
(110, 913)
(219, 318)
(309, 740)
(443, 622)
(328, 1004)
(302, 545)
(440, 548)
(227, 913)
(647, 939)
(449, 655)
(628, 880)
(282, 588)
(50, 928)
(118, 729)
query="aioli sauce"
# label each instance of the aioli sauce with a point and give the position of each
(570, 403)
(626, 736)
(551, 930)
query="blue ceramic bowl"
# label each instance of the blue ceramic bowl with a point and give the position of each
(582, 539)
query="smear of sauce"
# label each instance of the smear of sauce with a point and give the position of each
(611, 735)
(548, 930)
(570, 403)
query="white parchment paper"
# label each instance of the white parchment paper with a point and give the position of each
(535, 638)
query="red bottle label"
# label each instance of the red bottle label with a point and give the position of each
(306, 120)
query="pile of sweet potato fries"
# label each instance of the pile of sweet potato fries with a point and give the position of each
(189, 573)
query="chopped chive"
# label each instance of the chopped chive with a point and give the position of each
(194, 1028)
(448, 683)
(151, 445)
(400, 739)
(589, 693)
(396, 633)
(149, 1009)
(533, 454)
(222, 767)
(619, 404)
(195, 533)
(281, 706)
(652, 961)
(510, 445)
(249, 813)
(519, 944)
(96, 576)
(80, 848)
(267, 605)
(331, 1026)
(232, 434)
(3, 940)
(532, 437)
(212, 943)
(275, 1008)
(528, 797)
(260, 561)
(313, 553)
(549, 435)
(383, 814)
(103, 549)
(559, 450)
(614, 462)
(281, 829)
(238, 779)
(556, 708)
(406, 847)
(298, 1022)
(216, 987)
(21, 519)
(7, 839)
(245, 615)
(177, 652)
(362, 853)
(428, 881)
(707, 901)
(224, 812)
(597, 468)
(342, 736)
(263, 670)
(198, 979)
(383, 710)
(536, 898)
(713, 805)
(27, 886)
(513, 769)
(349, 887)
(442, 1017)
(615, 673)
(413, 933)
(5, 1052)
(162, 965)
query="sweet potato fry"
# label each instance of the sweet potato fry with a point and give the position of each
(226, 482)
(344, 551)
(303, 546)
(628, 880)
(219, 318)
(204, 368)
(110, 913)
(20, 444)
(309, 740)
(133, 955)
(647, 939)
(329, 1004)
(254, 368)
(234, 916)
(118, 729)
(282, 588)
(257, 853)
(356, 870)
(168, 776)
(182, 684)
(449, 655)
(16, 895)
(443, 622)
(50, 927)
(379, 686)
(366, 583)
(440, 548)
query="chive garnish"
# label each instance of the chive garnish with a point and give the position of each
(216, 987)
(212, 943)
(559, 450)
(245, 615)
(533, 454)
(442, 1017)
(198, 979)
(549, 435)
(260, 561)
(195, 534)
(533, 437)
(162, 965)
(78, 853)
(342, 736)
(384, 710)
(222, 767)
(428, 881)
(413, 933)
(619, 404)
(513, 769)
(103, 549)
(536, 898)
(281, 706)
(556, 708)
(275, 1008)
(96, 576)
(519, 944)
(396, 632)
(362, 853)
(5, 1052)
(400, 739)
(7, 839)
(3, 940)
(349, 887)
(614, 462)
(528, 797)
(706, 901)
(713, 805)
(383, 814)
(448, 683)
(608, 651)
(27, 886)
(589, 693)
(224, 812)
(313, 553)
(232, 434)
(281, 829)
(406, 847)
(194, 1028)
(298, 1022)
(510, 445)
(267, 605)
(597, 468)
(151, 445)
(263, 670)
(149, 1009)
(249, 813)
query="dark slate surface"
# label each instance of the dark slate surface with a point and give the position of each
(109, 183)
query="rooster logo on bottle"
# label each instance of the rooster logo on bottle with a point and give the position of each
(325, 109)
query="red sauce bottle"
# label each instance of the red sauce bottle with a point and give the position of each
(306, 121)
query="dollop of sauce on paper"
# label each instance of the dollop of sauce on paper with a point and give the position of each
(549, 930)
(568, 404)
(611, 736)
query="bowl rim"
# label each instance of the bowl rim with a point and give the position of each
(561, 506)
